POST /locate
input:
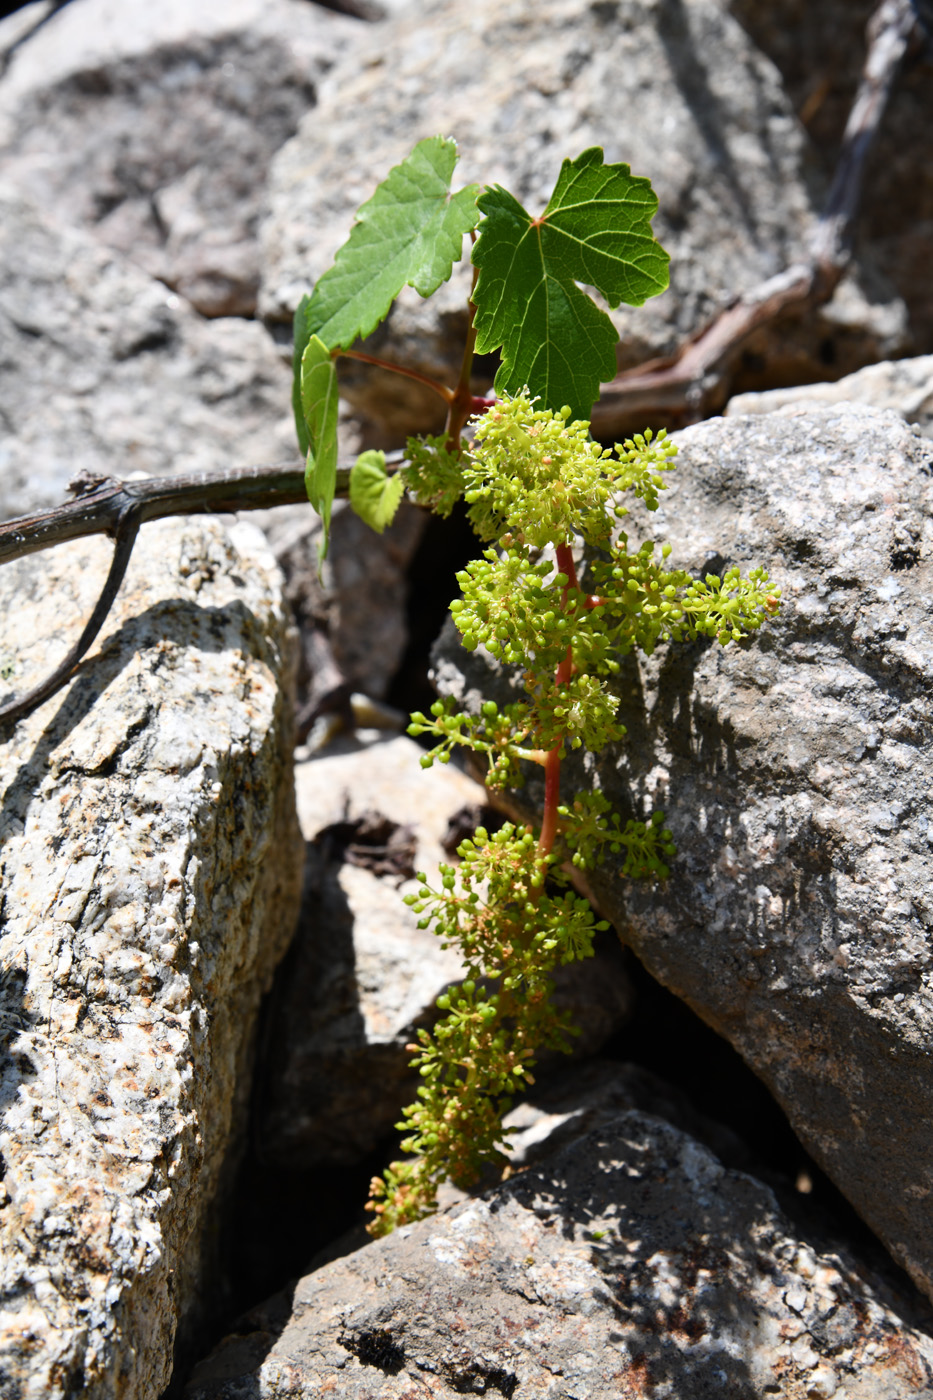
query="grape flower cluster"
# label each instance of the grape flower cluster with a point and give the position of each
(536, 486)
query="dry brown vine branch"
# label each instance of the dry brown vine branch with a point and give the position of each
(106, 506)
(691, 383)
(694, 382)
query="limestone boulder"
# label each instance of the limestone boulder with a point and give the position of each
(630, 1262)
(150, 861)
(153, 125)
(795, 769)
(676, 90)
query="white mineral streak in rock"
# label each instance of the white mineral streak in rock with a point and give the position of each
(631, 1263)
(150, 864)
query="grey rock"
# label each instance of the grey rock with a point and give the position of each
(153, 122)
(677, 91)
(795, 770)
(904, 386)
(361, 976)
(588, 1096)
(104, 369)
(568, 1103)
(16, 28)
(629, 1263)
(150, 861)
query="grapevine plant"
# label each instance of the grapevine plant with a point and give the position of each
(538, 489)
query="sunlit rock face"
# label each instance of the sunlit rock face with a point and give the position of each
(151, 865)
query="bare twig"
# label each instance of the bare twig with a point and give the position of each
(103, 502)
(889, 33)
(695, 382)
(106, 506)
(125, 539)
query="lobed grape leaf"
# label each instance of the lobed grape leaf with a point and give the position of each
(318, 389)
(596, 229)
(410, 231)
(375, 495)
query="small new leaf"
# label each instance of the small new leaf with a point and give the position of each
(596, 229)
(318, 394)
(410, 231)
(374, 495)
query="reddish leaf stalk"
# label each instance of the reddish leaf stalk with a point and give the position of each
(434, 384)
(462, 401)
(548, 835)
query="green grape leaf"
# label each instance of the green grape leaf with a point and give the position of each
(596, 229)
(318, 390)
(375, 495)
(301, 334)
(410, 231)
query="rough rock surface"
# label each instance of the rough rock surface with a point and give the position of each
(150, 861)
(104, 369)
(676, 90)
(905, 386)
(629, 1263)
(582, 1098)
(795, 771)
(361, 975)
(153, 122)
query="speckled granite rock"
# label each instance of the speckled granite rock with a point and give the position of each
(630, 1263)
(152, 124)
(361, 976)
(676, 90)
(150, 862)
(904, 386)
(795, 771)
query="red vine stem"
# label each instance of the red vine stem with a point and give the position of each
(462, 403)
(565, 565)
